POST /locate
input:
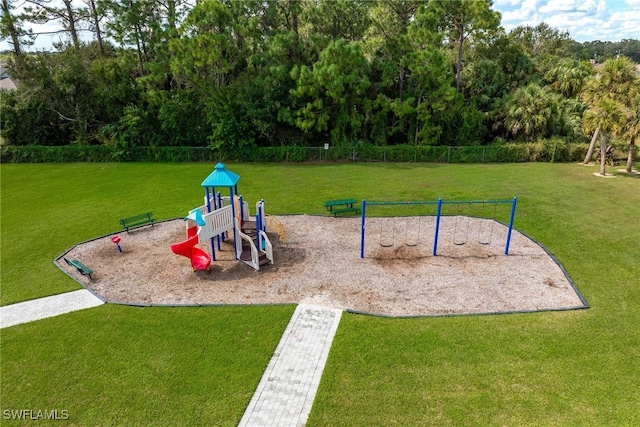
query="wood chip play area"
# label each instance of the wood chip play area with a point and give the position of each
(317, 260)
(387, 264)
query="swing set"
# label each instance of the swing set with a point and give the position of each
(387, 236)
(485, 228)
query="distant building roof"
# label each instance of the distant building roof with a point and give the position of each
(6, 83)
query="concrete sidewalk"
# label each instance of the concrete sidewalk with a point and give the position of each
(288, 387)
(41, 308)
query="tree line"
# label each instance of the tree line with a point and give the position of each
(233, 75)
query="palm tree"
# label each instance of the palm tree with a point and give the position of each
(615, 80)
(530, 111)
(568, 78)
(631, 130)
(608, 116)
(592, 146)
(568, 120)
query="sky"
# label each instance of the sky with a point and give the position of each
(585, 20)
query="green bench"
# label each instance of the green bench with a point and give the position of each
(83, 269)
(341, 206)
(137, 221)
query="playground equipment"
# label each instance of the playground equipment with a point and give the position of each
(461, 230)
(116, 239)
(200, 260)
(413, 240)
(221, 215)
(388, 234)
(485, 230)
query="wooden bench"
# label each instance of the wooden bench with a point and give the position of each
(341, 206)
(137, 221)
(83, 269)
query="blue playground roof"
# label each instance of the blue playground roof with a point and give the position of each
(221, 177)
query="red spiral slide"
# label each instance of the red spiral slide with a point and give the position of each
(200, 260)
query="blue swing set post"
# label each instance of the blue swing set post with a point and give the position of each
(435, 238)
(364, 206)
(513, 214)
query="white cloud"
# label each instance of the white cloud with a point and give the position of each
(530, 5)
(596, 26)
(583, 19)
(502, 3)
(526, 12)
(569, 6)
(621, 23)
(602, 6)
(588, 6)
(556, 6)
(515, 15)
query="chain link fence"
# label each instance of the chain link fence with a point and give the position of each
(547, 151)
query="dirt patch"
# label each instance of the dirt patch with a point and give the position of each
(317, 260)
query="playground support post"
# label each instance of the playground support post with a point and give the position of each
(513, 214)
(364, 206)
(435, 238)
(217, 197)
(260, 224)
(233, 214)
(207, 199)
(211, 240)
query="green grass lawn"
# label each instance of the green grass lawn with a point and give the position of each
(117, 365)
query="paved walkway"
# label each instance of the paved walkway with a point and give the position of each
(288, 387)
(41, 308)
